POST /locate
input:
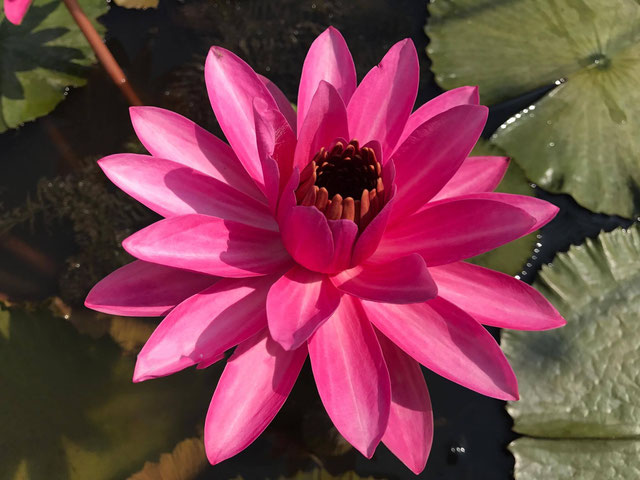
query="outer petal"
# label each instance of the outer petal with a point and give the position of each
(432, 154)
(282, 101)
(253, 387)
(405, 280)
(494, 298)
(297, 304)
(171, 189)
(328, 60)
(454, 229)
(446, 340)
(325, 121)
(233, 86)
(541, 210)
(15, 10)
(166, 134)
(204, 326)
(145, 289)
(209, 245)
(381, 104)
(409, 433)
(442, 103)
(307, 237)
(475, 175)
(351, 376)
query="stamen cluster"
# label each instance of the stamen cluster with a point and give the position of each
(343, 183)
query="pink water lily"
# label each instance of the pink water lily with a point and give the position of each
(15, 10)
(336, 232)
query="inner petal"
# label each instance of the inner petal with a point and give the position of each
(343, 182)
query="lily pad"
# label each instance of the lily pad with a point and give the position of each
(582, 381)
(580, 459)
(41, 58)
(509, 258)
(581, 138)
(69, 409)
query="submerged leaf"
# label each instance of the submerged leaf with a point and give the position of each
(185, 462)
(70, 410)
(581, 138)
(321, 474)
(139, 4)
(40, 58)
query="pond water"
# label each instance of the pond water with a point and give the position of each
(162, 52)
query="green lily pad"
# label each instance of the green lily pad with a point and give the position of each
(509, 258)
(69, 410)
(40, 58)
(582, 381)
(576, 459)
(579, 139)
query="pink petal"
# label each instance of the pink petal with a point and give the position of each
(493, 298)
(209, 245)
(432, 154)
(409, 433)
(204, 326)
(325, 121)
(284, 105)
(288, 197)
(253, 387)
(328, 60)
(454, 229)
(344, 233)
(351, 376)
(297, 304)
(232, 87)
(142, 289)
(446, 340)
(405, 280)
(475, 175)
(381, 104)
(166, 134)
(541, 210)
(277, 141)
(15, 10)
(171, 189)
(307, 237)
(373, 234)
(439, 104)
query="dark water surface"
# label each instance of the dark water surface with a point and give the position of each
(162, 52)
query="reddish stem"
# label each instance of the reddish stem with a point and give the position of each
(102, 52)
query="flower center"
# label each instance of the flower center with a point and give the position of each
(343, 183)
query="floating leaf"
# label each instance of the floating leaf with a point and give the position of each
(580, 459)
(185, 462)
(69, 409)
(509, 258)
(139, 4)
(579, 139)
(583, 380)
(40, 58)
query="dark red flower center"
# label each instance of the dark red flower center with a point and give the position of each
(343, 183)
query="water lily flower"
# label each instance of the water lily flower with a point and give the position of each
(15, 10)
(337, 232)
